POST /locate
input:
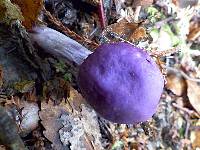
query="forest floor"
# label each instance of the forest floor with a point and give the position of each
(40, 92)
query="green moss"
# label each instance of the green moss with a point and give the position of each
(154, 15)
(152, 11)
(68, 77)
(60, 66)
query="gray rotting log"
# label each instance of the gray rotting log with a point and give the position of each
(8, 132)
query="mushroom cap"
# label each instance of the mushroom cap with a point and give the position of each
(121, 82)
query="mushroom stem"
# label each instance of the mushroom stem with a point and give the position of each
(59, 45)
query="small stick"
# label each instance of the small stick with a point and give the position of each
(156, 53)
(183, 74)
(190, 112)
(187, 127)
(162, 22)
(102, 17)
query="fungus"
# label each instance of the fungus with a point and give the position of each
(121, 82)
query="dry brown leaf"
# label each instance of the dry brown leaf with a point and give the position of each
(75, 99)
(176, 84)
(2, 147)
(175, 2)
(128, 31)
(194, 31)
(49, 116)
(138, 34)
(30, 10)
(142, 2)
(195, 139)
(68, 123)
(193, 93)
(63, 128)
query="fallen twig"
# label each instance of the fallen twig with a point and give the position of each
(182, 73)
(102, 14)
(162, 22)
(190, 112)
(187, 127)
(158, 53)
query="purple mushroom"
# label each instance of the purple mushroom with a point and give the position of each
(121, 82)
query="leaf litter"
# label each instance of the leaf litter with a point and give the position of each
(69, 123)
(67, 127)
